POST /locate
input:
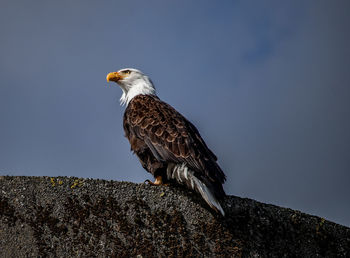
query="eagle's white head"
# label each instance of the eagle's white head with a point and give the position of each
(133, 82)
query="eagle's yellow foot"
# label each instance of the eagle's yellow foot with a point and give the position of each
(159, 181)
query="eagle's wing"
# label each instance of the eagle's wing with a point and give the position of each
(171, 137)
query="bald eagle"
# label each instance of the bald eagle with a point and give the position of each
(166, 143)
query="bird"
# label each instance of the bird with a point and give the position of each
(167, 144)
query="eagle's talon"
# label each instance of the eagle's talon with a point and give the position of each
(158, 182)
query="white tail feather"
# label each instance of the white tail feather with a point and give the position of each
(183, 175)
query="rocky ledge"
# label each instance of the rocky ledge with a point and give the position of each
(75, 217)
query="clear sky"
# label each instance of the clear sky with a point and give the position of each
(265, 82)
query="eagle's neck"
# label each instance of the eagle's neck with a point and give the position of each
(142, 86)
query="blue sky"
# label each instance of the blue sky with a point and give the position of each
(265, 82)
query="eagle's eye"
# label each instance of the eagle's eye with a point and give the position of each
(127, 71)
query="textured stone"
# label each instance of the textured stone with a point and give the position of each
(66, 216)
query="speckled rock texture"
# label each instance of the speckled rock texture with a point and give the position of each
(74, 217)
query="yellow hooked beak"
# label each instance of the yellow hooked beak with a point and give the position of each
(115, 76)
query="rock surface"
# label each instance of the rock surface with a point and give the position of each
(74, 217)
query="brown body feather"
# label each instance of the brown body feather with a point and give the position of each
(162, 138)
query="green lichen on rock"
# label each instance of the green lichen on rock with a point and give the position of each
(70, 217)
